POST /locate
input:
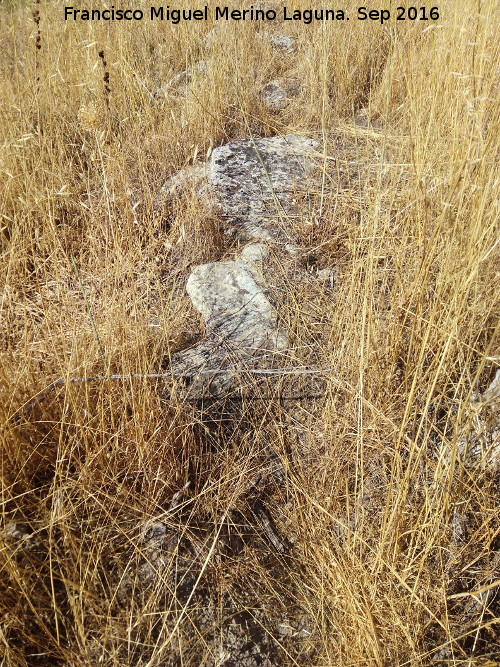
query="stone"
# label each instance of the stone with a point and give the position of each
(255, 182)
(215, 35)
(327, 276)
(486, 447)
(191, 177)
(241, 321)
(228, 296)
(492, 394)
(255, 253)
(253, 185)
(278, 93)
(282, 43)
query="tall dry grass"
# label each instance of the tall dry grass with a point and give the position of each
(394, 529)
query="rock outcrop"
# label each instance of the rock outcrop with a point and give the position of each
(241, 321)
(254, 185)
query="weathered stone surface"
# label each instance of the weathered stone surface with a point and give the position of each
(282, 43)
(215, 35)
(256, 182)
(492, 394)
(240, 318)
(277, 93)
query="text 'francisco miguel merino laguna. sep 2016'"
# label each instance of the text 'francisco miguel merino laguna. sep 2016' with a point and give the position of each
(205, 13)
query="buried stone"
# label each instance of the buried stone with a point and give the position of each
(278, 93)
(181, 81)
(254, 184)
(283, 43)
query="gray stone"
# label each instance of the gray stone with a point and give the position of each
(178, 84)
(240, 318)
(255, 253)
(278, 93)
(216, 35)
(254, 185)
(492, 394)
(256, 182)
(327, 276)
(228, 291)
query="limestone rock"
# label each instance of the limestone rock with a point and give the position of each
(478, 442)
(282, 43)
(277, 93)
(254, 182)
(240, 318)
(230, 300)
(492, 394)
(215, 35)
(327, 276)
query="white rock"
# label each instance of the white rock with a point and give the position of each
(230, 300)
(255, 253)
(493, 392)
(241, 321)
(327, 276)
(481, 444)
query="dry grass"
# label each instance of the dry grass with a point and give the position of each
(394, 533)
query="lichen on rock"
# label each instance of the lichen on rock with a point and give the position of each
(278, 93)
(256, 182)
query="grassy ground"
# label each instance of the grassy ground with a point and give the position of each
(394, 529)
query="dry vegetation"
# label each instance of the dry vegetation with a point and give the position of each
(393, 529)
